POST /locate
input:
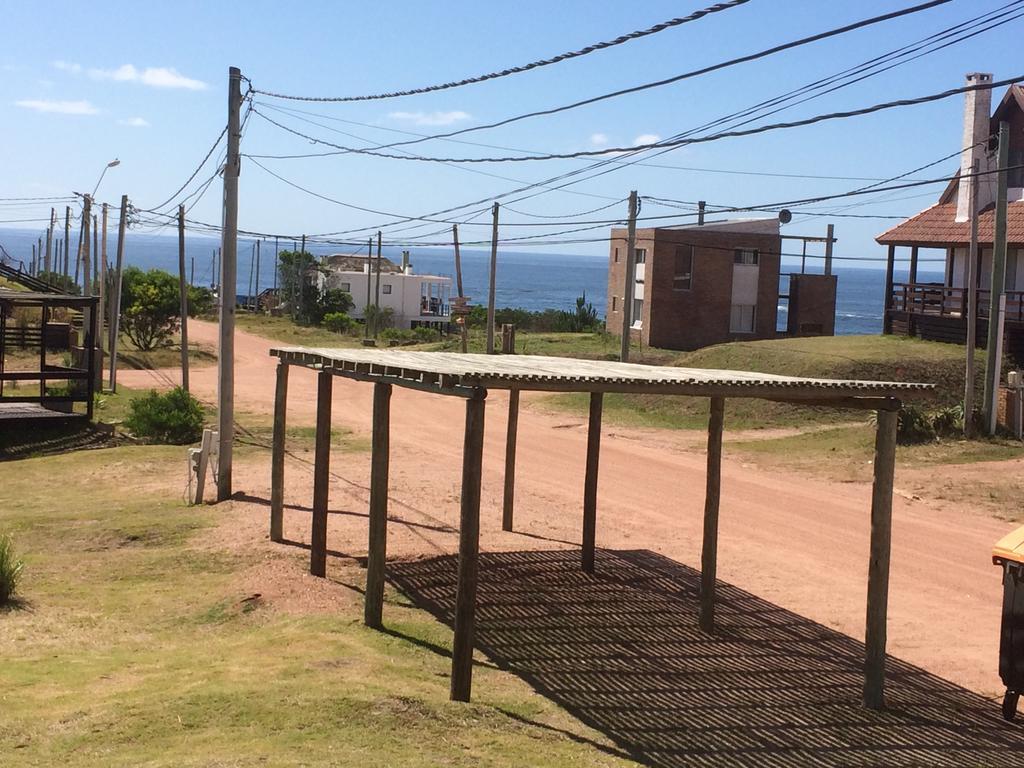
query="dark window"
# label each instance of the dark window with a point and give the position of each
(386, 288)
(615, 303)
(346, 287)
(1015, 176)
(616, 255)
(745, 256)
(682, 280)
(641, 255)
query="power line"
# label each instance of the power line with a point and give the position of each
(716, 8)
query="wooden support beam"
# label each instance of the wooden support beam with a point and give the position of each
(321, 475)
(878, 565)
(890, 264)
(712, 496)
(277, 455)
(510, 460)
(373, 605)
(912, 274)
(590, 481)
(469, 546)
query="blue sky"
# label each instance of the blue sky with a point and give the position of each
(147, 84)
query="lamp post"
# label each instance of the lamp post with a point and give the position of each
(111, 164)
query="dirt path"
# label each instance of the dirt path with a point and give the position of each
(800, 543)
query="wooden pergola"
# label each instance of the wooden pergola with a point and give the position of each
(471, 376)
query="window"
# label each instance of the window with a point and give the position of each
(615, 303)
(641, 255)
(616, 255)
(637, 318)
(386, 288)
(346, 287)
(745, 256)
(741, 319)
(682, 280)
(1015, 176)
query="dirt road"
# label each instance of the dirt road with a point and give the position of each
(800, 543)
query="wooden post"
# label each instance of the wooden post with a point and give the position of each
(369, 271)
(115, 303)
(701, 206)
(86, 238)
(89, 348)
(830, 232)
(971, 287)
(373, 605)
(204, 459)
(629, 280)
(256, 289)
(590, 480)
(912, 275)
(277, 454)
(458, 259)
(878, 565)
(95, 257)
(887, 303)
(492, 278)
(67, 236)
(183, 293)
(712, 497)
(48, 262)
(252, 269)
(469, 547)
(510, 460)
(321, 475)
(997, 283)
(104, 290)
(228, 289)
(376, 295)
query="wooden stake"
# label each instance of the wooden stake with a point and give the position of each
(510, 460)
(373, 605)
(228, 289)
(590, 480)
(469, 547)
(115, 310)
(321, 475)
(204, 459)
(492, 279)
(972, 307)
(630, 280)
(712, 496)
(183, 295)
(277, 454)
(878, 565)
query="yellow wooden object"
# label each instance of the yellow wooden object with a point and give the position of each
(1010, 548)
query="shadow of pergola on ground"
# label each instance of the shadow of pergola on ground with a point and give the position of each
(621, 650)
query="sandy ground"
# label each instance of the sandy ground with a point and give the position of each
(798, 542)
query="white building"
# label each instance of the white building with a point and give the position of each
(415, 299)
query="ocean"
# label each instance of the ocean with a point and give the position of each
(533, 281)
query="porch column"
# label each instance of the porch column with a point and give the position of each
(373, 603)
(878, 564)
(912, 278)
(277, 454)
(508, 504)
(712, 496)
(590, 481)
(887, 306)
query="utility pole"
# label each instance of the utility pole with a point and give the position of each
(32, 263)
(86, 235)
(492, 279)
(997, 283)
(627, 293)
(183, 291)
(252, 265)
(972, 306)
(67, 236)
(104, 293)
(49, 240)
(192, 270)
(366, 310)
(701, 205)
(830, 232)
(458, 259)
(95, 255)
(376, 291)
(115, 304)
(228, 288)
(256, 290)
(277, 263)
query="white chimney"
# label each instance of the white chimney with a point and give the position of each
(977, 122)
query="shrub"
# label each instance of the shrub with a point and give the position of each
(335, 301)
(913, 426)
(150, 306)
(10, 569)
(379, 318)
(173, 417)
(338, 322)
(200, 301)
(948, 421)
(425, 335)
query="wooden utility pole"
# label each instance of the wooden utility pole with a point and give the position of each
(627, 293)
(997, 283)
(256, 290)
(32, 263)
(972, 306)
(183, 295)
(492, 279)
(95, 256)
(830, 232)
(252, 266)
(115, 304)
(277, 263)
(366, 309)
(86, 236)
(104, 292)
(712, 497)
(49, 240)
(228, 288)
(458, 260)
(376, 293)
(701, 205)
(67, 236)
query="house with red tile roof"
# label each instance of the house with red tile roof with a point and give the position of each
(938, 311)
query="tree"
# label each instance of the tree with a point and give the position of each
(150, 307)
(300, 292)
(378, 318)
(585, 318)
(335, 301)
(200, 301)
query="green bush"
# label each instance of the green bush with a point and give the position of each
(914, 426)
(10, 569)
(338, 322)
(174, 417)
(200, 301)
(426, 335)
(150, 307)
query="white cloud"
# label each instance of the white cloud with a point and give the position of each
(646, 138)
(68, 66)
(81, 107)
(431, 118)
(135, 122)
(599, 139)
(156, 77)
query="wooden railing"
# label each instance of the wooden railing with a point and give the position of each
(945, 301)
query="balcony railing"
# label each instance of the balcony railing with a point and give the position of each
(944, 301)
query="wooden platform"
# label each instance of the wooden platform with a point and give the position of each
(32, 411)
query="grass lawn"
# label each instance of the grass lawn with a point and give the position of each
(283, 329)
(166, 356)
(139, 642)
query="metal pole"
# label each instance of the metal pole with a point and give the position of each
(228, 288)
(997, 282)
(627, 294)
(492, 278)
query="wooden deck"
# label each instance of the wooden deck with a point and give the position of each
(32, 411)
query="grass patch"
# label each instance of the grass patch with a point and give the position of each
(283, 329)
(167, 356)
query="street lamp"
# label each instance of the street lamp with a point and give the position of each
(111, 164)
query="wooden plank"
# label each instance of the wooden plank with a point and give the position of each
(878, 565)
(508, 505)
(469, 547)
(277, 454)
(204, 462)
(712, 497)
(590, 481)
(373, 604)
(321, 475)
